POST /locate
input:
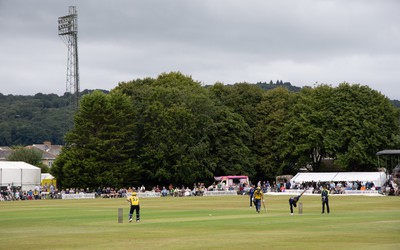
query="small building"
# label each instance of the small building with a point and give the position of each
(49, 152)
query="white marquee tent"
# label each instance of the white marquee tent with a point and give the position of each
(19, 174)
(378, 178)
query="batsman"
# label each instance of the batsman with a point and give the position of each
(134, 202)
(293, 201)
(258, 198)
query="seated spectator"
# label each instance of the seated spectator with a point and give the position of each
(200, 192)
(182, 191)
(30, 194)
(164, 192)
(176, 192)
(36, 194)
(16, 196)
(194, 190)
(187, 192)
(396, 189)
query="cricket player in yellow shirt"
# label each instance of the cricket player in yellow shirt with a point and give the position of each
(258, 198)
(134, 201)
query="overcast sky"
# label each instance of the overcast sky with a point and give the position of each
(299, 41)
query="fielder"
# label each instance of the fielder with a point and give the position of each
(325, 200)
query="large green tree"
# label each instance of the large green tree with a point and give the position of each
(364, 122)
(100, 150)
(348, 124)
(309, 122)
(239, 102)
(173, 130)
(270, 142)
(242, 98)
(185, 135)
(230, 144)
(173, 122)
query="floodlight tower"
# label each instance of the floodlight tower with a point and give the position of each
(68, 32)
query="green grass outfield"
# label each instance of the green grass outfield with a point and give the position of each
(355, 222)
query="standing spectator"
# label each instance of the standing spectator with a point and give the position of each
(135, 207)
(288, 185)
(219, 186)
(258, 197)
(325, 200)
(251, 194)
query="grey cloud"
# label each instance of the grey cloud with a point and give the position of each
(301, 41)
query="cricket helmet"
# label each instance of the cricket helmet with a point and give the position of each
(258, 188)
(134, 194)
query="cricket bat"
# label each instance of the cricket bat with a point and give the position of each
(265, 209)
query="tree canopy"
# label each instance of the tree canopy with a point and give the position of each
(28, 155)
(172, 130)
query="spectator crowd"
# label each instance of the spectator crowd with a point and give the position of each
(11, 193)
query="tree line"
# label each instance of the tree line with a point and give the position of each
(27, 120)
(173, 130)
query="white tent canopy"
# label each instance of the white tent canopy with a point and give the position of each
(46, 176)
(378, 178)
(19, 174)
(308, 177)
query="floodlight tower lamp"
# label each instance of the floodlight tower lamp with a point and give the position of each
(68, 32)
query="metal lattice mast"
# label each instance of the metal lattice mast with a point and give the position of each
(68, 32)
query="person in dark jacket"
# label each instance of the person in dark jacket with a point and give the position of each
(325, 200)
(293, 202)
(251, 193)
